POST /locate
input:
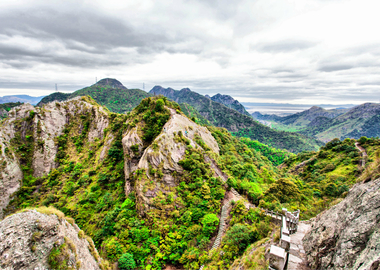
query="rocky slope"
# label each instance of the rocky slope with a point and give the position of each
(6, 107)
(33, 240)
(347, 236)
(28, 139)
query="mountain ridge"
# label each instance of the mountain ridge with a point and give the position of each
(240, 124)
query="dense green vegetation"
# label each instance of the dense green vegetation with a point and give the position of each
(276, 156)
(58, 96)
(193, 114)
(181, 222)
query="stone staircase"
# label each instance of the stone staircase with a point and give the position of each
(278, 256)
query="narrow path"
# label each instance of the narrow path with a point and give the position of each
(297, 256)
(363, 152)
(223, 218)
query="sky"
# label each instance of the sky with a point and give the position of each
(281, 51)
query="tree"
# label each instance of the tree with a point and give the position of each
(126, 262)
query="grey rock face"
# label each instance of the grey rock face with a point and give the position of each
(26, 240)
(347, 236)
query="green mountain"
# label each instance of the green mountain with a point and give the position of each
(151, 188)
(58, 96)
(240, 125)
(107, 92)
(229, 102)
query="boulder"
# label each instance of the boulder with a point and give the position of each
(28, 239)
(347, 236)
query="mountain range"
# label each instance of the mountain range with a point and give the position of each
(20, 98)
(117, 98)
(325, 125)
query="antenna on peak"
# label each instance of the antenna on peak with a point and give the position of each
(56, 88)
(144, 86)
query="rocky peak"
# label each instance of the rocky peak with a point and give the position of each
(111, 83)
(226, 99)
(159, 90)
(29, 240)
(184, 90)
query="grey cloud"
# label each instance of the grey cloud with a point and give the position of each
(336, 67)
(283, 46)
(95, 37)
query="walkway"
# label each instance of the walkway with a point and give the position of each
(297, 257)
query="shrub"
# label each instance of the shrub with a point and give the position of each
(126, 262)
(239, 236)
(209, 222)
(159, 105)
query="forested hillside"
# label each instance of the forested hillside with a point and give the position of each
(325, 125)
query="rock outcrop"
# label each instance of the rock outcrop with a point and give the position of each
(347, 236)
(29, 240)
(42, 126)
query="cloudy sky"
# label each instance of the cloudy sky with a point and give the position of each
(296, 51)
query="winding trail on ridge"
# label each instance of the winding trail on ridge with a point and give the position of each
(363, 152)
